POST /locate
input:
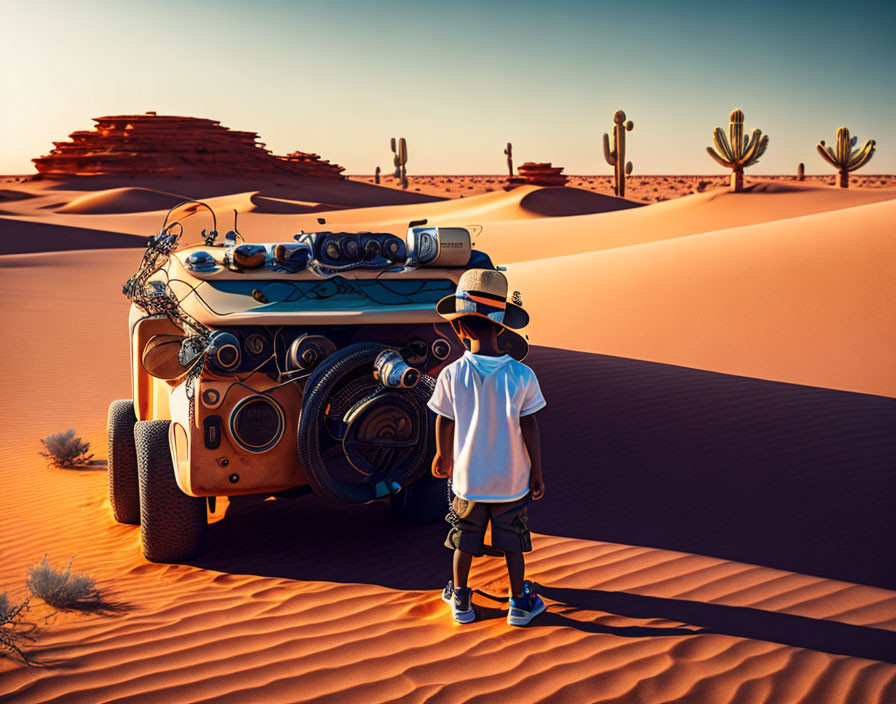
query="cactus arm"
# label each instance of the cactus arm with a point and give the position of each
(826, 155)
(763, 145)
(751, 144)
(759, 146)
(723, 162)
(834, 156)
(608, 155)
(862, 157)
(721, 143)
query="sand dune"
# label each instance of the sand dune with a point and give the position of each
(716, 522)
(288, 207)
(122, 200)
(804, 300)
(704, 212)
(18, 236)
(7, 194)
(350, 193)
(563, 202)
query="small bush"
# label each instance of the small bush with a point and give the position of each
(13, 628)
(62, 590)
(66, 451)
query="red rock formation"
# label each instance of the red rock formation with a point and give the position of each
(313, 165)
(168, 145)
(540, 174)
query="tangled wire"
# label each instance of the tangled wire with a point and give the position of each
(157, 298)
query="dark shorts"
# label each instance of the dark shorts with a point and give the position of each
(510, 528)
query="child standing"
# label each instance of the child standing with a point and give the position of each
(487, 438)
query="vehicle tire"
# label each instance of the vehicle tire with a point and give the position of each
(320, 384)
(124, 492)
(423, 501)
(172, 524)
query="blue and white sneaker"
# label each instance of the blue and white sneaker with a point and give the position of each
(460, 600)
(523, 609)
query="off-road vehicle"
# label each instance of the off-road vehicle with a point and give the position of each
(279, 369)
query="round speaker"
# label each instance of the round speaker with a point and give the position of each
(257, 423)
(351, 248)
(372, 249)
(223, 351)
(331, 250)
(441, 348)
(394, 249)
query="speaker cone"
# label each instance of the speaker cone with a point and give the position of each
(257, 423)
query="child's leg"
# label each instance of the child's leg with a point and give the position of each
(516, 570)
(462, 562)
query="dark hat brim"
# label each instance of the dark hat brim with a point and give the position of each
(514, 316)
(513, 343)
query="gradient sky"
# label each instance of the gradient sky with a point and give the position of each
(460, 78)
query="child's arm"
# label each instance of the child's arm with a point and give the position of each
(532, 439)
(443, 462)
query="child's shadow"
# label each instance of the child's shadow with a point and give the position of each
(551, 618)
(818, 634)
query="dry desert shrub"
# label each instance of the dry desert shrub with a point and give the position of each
(66, 451)
(13, 628)
(62, 589)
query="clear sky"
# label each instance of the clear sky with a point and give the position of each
(459, 79)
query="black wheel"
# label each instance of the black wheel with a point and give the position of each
(124, 493)
(423, 501)
(172, 524)
(356, 440)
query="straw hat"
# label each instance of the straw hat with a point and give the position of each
(483, 293)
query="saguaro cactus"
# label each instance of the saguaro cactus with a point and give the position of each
(844, 158)
(801, 172)
(376, 174)
(737, 152)
(509, 152)
(616, 158)
(401, 159)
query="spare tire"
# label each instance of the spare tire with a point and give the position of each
(344, 382)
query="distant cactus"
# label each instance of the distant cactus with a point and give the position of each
(737, 152)
(509, 152)
(801, 172)
(401, 159)
(616, 158)
(376, 174)
(845, 158)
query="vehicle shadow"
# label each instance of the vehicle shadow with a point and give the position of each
(793, 477)
(310, 539)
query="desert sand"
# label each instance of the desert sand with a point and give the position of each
(646, 188)
(718, 451)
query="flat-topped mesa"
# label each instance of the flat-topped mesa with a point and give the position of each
(170, 145)
(540, 174)
(314, 165)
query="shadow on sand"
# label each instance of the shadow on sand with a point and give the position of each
(739, 621)
(793, 477)
(786, 476)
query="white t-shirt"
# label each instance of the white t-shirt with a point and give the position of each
(485, 397)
